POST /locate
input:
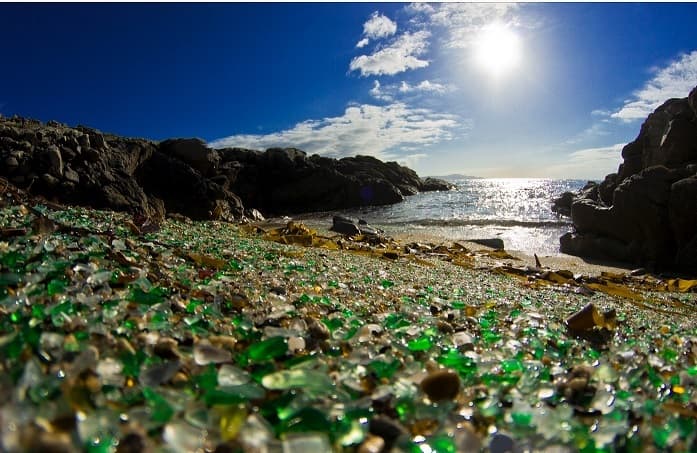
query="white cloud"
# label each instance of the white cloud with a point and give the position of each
(612, 153)
(674, 81)
(390, 92)
(379, 93)
(382, 131)
(401, 55)
(601, 112)
(379, 26)
(589, 163)
(425, 86)
(594, 131)
(411, 160)
(362, 43)
(463, 21)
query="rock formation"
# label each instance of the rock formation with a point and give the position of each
(84, 166)
(285, 181)
(646, 213)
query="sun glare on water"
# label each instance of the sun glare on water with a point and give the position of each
(497, 50)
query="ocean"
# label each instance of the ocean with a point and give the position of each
(517, 210)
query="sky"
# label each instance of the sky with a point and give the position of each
(484, 89)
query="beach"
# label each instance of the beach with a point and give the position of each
(215, 336)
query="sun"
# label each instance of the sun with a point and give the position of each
(497, 50)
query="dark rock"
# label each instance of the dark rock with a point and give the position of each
(390, 430)
(349, 227)
(254, 215)
(71, 175)
(11, 162)
(646, 213)
(83, 140)
(434, 184)
(132, 443)
(55, 161)
(562, 205)
(185, 191)
(286, 181)
(90, 154)
(192, 152)
(185, 177)
(441, 385)
(502, 443)
(97, 140)
(494, 243)
(50, 181)
(344, 226)
(683, 210)
(607, 187)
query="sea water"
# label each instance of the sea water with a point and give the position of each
(517, 210)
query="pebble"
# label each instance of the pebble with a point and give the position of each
(441, 385)
(296, 344)
(501, 443)
(159, 373)
(166, 348)
(131, 443)
(386, 428)
(205, 353)
(317, 329)
(372, 444)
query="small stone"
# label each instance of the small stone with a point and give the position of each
(317, 329)
(386, 428)
(296, 344)
(463, 339)
(123, 345)
(441, 385)
(230, 376)
(131, 443)
(167, 348)
(239, 301)
(156, 374)
(444, 327)
(223, 341)
(179, 379)
(372, 444)
(205, 353)
(501, 443)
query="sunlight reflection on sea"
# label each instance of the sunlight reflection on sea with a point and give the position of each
(517, 210)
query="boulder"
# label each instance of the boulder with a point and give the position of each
(430, 184)
(345, 226)
(184, 191)
(494, 243)
(683, 210)
(55, 161)
(286, 181)
(646, 213)
(562, 205)
(193, 152)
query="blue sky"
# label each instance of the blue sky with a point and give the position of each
(501, 90)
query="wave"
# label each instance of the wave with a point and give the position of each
(482, 222)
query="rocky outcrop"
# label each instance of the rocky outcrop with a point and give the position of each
(84, 166)
(646, 213)
(284, 181)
